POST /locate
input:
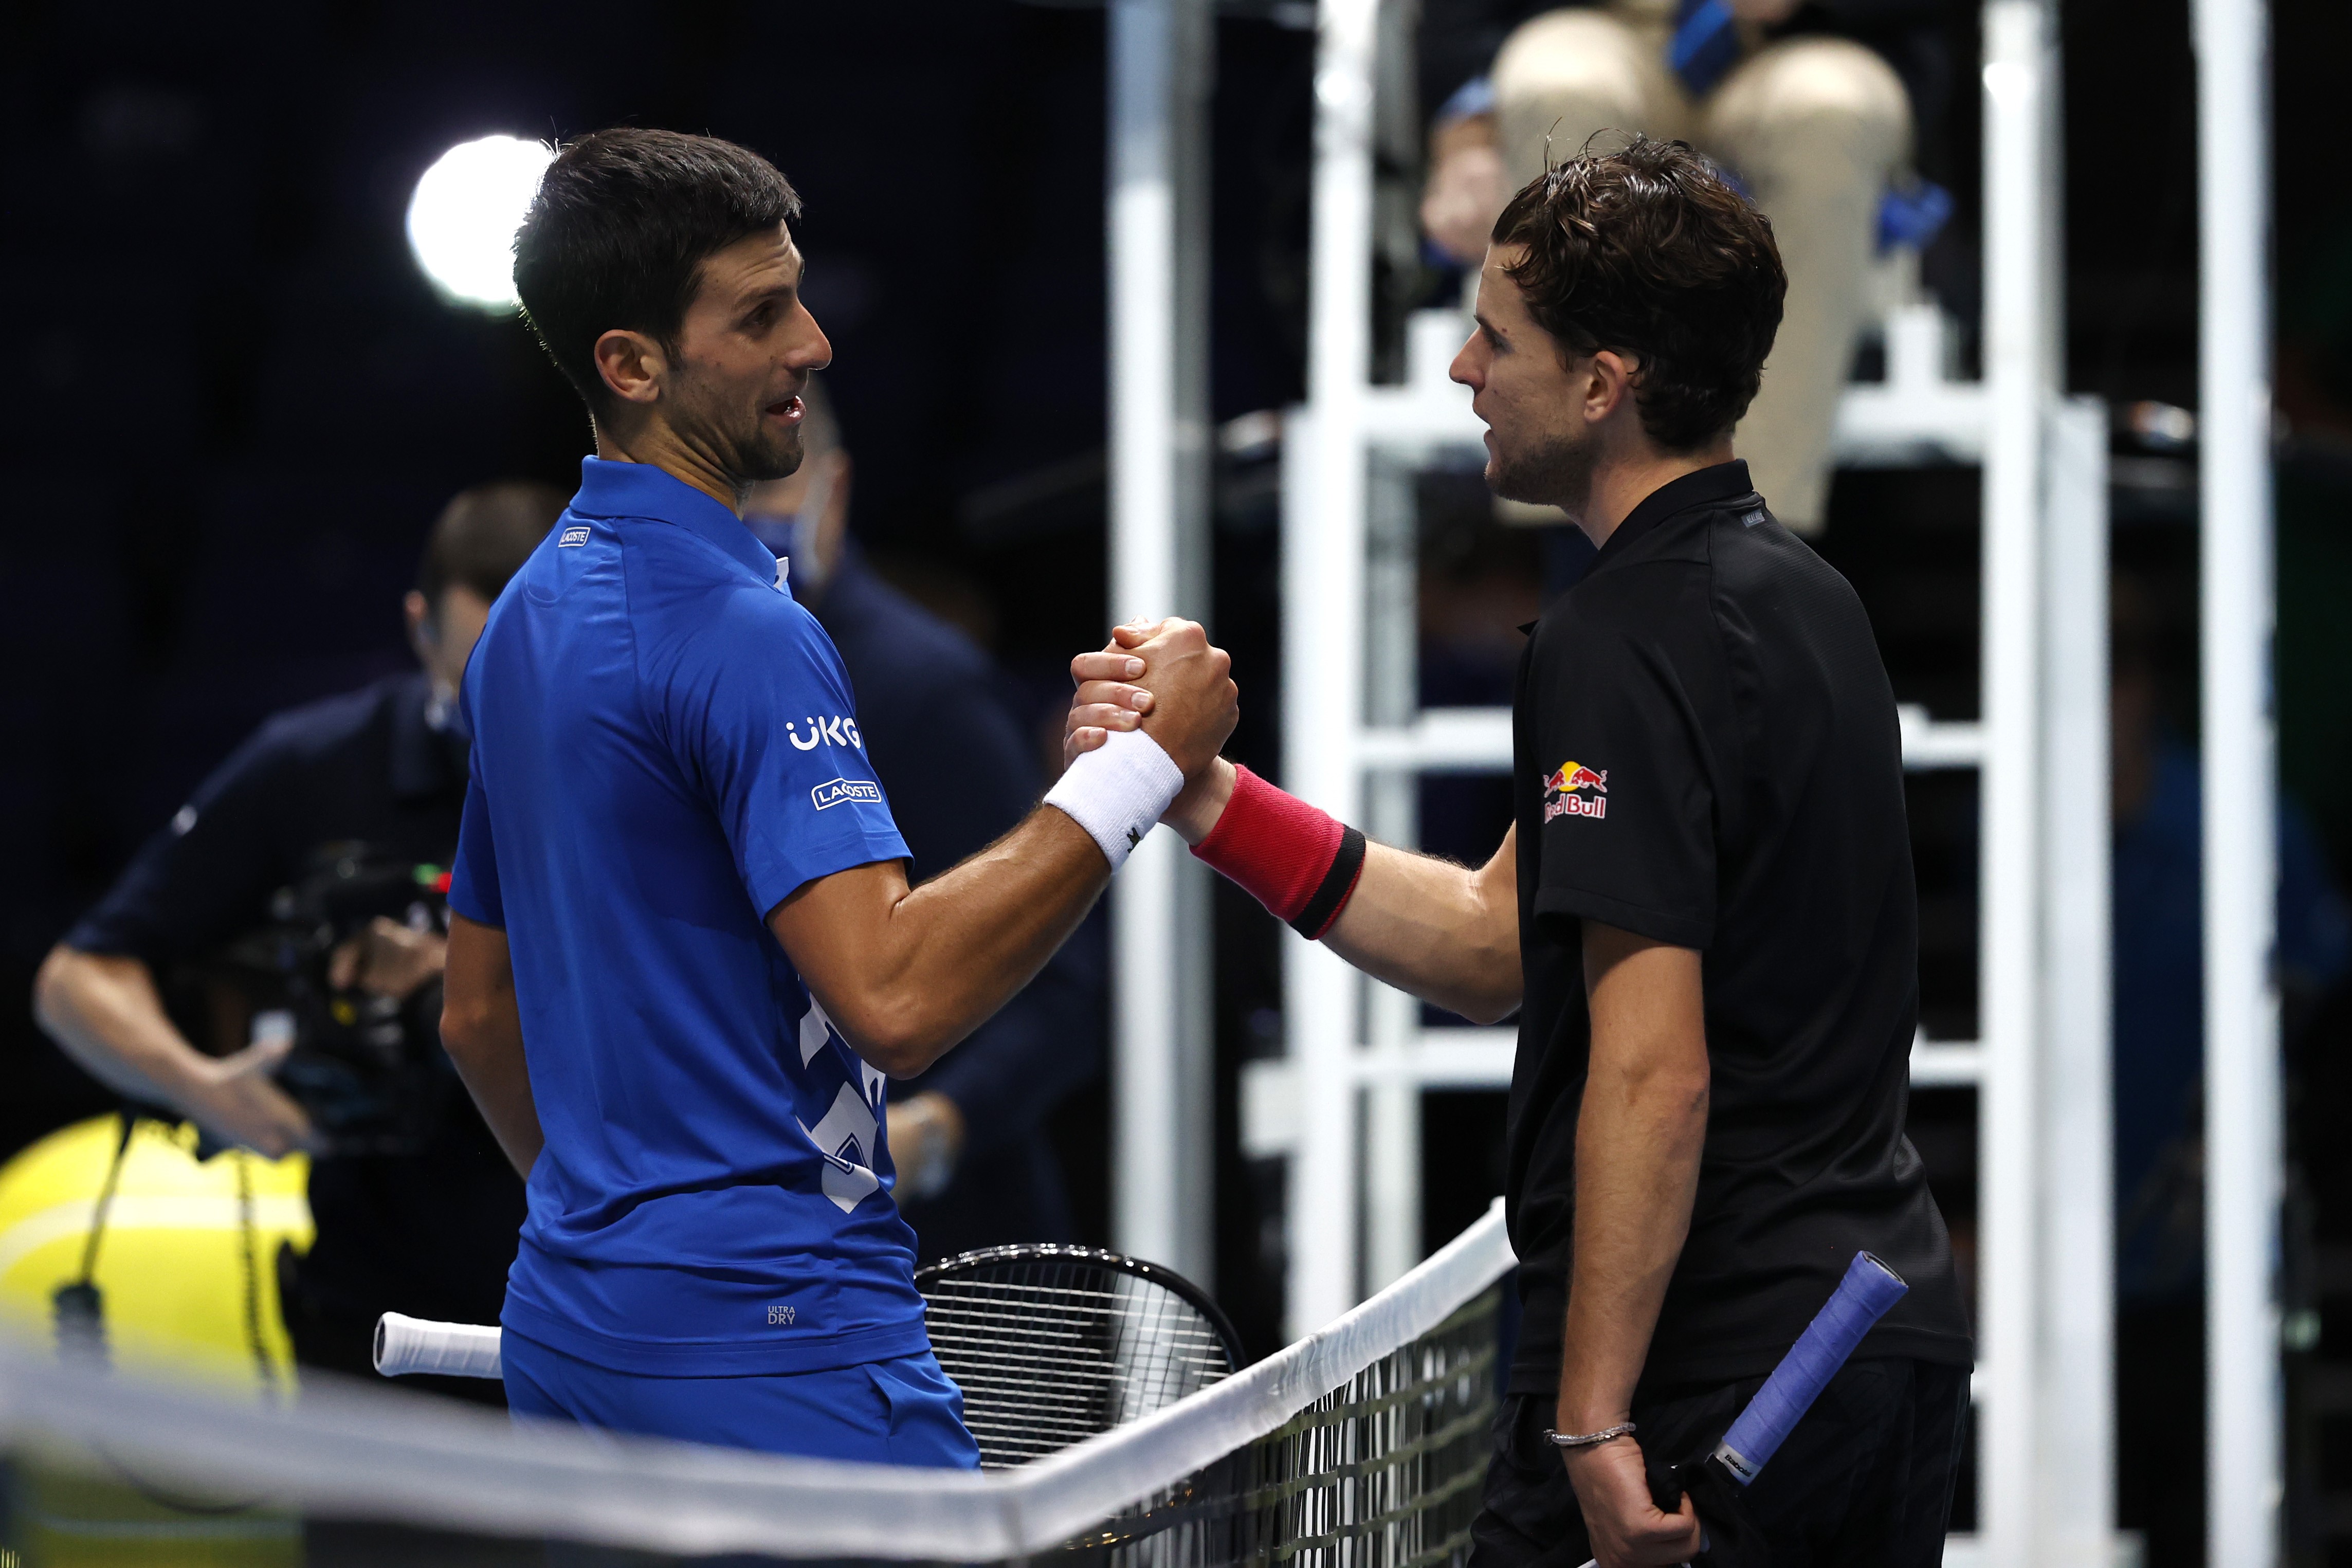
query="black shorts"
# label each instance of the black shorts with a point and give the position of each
(1864, 1479)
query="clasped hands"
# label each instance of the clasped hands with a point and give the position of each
(1168, 679)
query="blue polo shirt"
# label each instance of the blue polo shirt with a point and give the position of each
(665, 748)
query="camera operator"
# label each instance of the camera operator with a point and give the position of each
(416, 1211)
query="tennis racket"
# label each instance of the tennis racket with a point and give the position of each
(1050, 1345)
(1862, 1298)
(1053, 1344)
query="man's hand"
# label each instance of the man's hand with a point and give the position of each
(104, 1009)
(233, 1098)
(388, 959)
(1111, 696)
(926, 1140)
(1189, 701)
(1444, 933)
(1626, 1528)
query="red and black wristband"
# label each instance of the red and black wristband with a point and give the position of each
(1338, 883)
(1301, 863)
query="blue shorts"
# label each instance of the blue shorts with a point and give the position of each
(903, 1411)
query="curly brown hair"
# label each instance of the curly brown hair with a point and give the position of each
(1653, 252)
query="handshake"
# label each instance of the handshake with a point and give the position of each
(1165, 678)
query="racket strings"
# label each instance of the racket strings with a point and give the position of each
(1051, 1351)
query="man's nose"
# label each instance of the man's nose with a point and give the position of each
(813, 350)
(1464, 368)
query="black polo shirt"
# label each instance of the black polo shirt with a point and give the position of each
(1707, 755)
(430, 1234)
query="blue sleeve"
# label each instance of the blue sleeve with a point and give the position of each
(474, 879)
(760, 714)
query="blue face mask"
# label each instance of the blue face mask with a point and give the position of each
(791, 536)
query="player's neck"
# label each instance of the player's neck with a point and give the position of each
(1622, 482)
(656, 444)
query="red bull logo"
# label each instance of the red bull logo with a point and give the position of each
(1574, 790)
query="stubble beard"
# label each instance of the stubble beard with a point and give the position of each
(1556, 471)
(742, 444)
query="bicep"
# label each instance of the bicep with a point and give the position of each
(1647, 999)
(478, 977)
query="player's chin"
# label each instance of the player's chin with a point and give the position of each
(772, 454)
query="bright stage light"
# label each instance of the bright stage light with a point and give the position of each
(463, 218)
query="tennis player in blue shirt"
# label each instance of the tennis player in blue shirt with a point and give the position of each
(684, 953)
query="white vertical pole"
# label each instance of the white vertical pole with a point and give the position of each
(2076, 1467)
(2017, 365)
(1163, 1158)
(2244, 1422)
(1323, 648)
(1391, 1133)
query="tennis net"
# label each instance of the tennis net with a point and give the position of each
(1360, 1446)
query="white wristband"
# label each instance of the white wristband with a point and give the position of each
(1118, 791)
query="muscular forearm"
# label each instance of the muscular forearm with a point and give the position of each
(905, 974)
(1638, 1141)
(1446, 933)
(104, 1011)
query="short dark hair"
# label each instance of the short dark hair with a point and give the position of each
(616, 236)
(1653, 252)
(483, 536)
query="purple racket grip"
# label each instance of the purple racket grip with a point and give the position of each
(1862, 1296)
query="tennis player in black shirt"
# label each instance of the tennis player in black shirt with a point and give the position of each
(1704, 915)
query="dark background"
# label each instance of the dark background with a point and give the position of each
(235, 406)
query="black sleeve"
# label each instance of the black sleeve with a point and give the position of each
(1628, 832)
(207, 875)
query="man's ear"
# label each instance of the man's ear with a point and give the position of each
(1610, 385)
(631, 364)
(421, 632)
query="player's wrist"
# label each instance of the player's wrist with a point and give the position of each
(1300, 862)
(1118, 791)
(1197, 808)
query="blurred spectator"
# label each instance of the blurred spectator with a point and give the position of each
(1816, 124)
(419, 1212)
(2159, 1078)
(969, 1137)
